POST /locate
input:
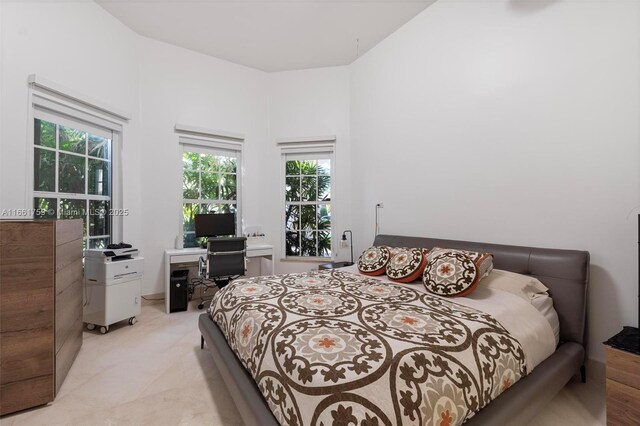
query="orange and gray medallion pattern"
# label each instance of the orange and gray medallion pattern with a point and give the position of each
(335, 348)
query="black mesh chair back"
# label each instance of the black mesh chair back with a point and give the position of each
(226, 257)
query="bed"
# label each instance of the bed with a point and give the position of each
(564, 272)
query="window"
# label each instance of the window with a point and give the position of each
(76, 147)
(73, 175)
(210, 184)
(307, 210)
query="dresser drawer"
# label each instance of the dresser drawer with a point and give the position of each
(29, 393)
(25, 310)
(623, 367)
(623, 404)
(26, 354)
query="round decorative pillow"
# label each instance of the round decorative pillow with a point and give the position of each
(374, 260)
(450, 273)
(407, 265)
(484, 261)
(394, 250)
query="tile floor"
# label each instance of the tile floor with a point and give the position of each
(154, 373)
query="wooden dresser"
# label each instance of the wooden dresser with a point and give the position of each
(623, 379)
(40, 309)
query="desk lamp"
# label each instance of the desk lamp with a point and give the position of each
(344, 238)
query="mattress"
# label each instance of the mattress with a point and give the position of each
(483, 298)
(338, 347)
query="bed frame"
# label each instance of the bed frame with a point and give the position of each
(564, 272)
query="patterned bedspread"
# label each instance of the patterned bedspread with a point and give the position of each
(335, 348)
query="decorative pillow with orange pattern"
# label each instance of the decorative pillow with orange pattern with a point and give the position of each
(484, 261)
(395, 250)
(407, 264)
(374, 260)
(453, 273)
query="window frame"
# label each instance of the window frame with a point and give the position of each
(67, 104)
(306, 152)
(212, 146)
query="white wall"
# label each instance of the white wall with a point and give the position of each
(180, 86)
(509, 122)
(81, 47)
(309, 103)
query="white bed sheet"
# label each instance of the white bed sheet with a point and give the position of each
(544, 305)
(523, 320)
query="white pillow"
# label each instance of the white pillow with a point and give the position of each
(523, 286)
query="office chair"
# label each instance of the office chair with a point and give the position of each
(226, 260)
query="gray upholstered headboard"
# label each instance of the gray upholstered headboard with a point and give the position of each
(565, 272)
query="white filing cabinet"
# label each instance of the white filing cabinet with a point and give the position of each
(112, 291)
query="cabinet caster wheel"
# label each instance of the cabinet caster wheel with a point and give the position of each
(104, 329)
(200, 306)
(132, 320)
(91, 326)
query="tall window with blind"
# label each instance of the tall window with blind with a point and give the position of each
(307, 209)
(73, 167)
(210, 184)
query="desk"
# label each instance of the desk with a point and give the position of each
(191, 255)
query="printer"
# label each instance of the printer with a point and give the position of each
(113, 277)
(112, 254)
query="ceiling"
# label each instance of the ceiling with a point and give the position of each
(270, 35)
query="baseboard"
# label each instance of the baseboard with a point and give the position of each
(596, 370)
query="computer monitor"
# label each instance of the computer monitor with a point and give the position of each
(215, 225)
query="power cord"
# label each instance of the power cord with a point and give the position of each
(146, 298)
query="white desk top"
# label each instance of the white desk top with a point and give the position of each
(198, 250)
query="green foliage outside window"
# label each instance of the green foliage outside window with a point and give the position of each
(209, 185)
(308, 208)
(80, 162)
